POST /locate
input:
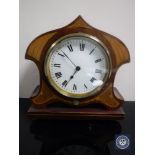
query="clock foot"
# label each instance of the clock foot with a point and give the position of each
(65, 113)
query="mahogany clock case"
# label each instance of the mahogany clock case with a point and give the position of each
(38, 48)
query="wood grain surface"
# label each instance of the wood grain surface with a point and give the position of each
(47, 95)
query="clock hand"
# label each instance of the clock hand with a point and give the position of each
(69, 59)
(76, 70)
(72, 76)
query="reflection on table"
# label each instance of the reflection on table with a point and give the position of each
(74, 137)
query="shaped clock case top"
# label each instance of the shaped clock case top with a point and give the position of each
(38, 50)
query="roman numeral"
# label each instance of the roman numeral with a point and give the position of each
(74, 87)
(98, 60)
(61, 54)
(58, 75)
(82, 46)
(85, 86)
(98, 71)
(92, 51)
(70, 48)
(92, 79)
(57, 65)
(65, 83)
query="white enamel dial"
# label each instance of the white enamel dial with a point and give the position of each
(77, 66)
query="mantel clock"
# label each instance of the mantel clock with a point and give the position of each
(77, 66)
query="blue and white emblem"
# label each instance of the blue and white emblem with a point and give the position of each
(122, 142)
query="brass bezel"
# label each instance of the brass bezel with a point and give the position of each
(59, 89)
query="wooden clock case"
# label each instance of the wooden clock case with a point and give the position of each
(108, 96)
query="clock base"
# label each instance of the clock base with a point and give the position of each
(60, 111)
(86, 113)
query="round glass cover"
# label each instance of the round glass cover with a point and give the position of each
(77, 65)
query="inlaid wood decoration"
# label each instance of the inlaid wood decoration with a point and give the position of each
(77, 66)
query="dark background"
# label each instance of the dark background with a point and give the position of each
(75, 137)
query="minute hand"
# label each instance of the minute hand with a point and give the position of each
(69, 59)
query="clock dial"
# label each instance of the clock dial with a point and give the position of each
(77, 66)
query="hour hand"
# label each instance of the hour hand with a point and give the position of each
(72, 76)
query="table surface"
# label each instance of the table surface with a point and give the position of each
(75, 137)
